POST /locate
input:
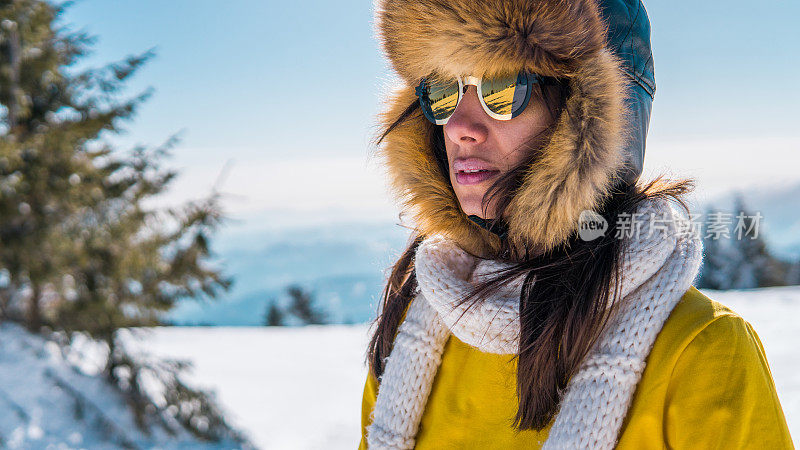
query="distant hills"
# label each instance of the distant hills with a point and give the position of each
(344, 264)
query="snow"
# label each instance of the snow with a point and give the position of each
(46, 402)
(297, 387)
(286, 388)
(301, 387)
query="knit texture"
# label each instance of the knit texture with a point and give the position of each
(661, 259)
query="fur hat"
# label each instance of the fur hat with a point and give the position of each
(591, 142)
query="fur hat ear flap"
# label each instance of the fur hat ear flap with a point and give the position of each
(581, 160)
(417, 182)
(580, 163)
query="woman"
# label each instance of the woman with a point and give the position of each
(546, 298)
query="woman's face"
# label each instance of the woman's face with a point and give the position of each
(476, 142)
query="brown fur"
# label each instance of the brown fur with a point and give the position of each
(580, 161)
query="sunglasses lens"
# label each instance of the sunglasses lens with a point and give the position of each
(441, 98)
(506, 95)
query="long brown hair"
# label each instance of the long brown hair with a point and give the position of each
(565, 290)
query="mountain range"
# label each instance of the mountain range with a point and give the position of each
(345, 264)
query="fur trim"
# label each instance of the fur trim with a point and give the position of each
(464, 37)
(584, 155)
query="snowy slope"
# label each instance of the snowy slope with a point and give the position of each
(301, 387)
(45, 402)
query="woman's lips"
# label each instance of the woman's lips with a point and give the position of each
(475, 177)
(473, 170)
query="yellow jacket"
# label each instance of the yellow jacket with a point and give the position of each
(707, 384)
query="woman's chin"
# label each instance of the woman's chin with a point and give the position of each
(475, 210)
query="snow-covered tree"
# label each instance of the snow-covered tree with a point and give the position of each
(274, 315)
(736, 255)
(793, 274)
(719, 260)
(303, 306)
(756, 266)
(80, 250)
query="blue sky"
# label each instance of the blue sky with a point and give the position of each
(283, 90)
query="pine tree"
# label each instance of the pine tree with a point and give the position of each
(793, 275)
(757, 267)
(51, 163)
(718, 259)
(73, 220)
(274, 317)
(80, 250)
(303, 308)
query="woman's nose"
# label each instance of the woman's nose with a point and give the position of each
(468, 124)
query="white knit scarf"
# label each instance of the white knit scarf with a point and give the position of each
(662, 257)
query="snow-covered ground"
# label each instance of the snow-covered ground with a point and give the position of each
(46, 402)
(301, 387)
(285, 388)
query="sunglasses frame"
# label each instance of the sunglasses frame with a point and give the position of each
(463, 82)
